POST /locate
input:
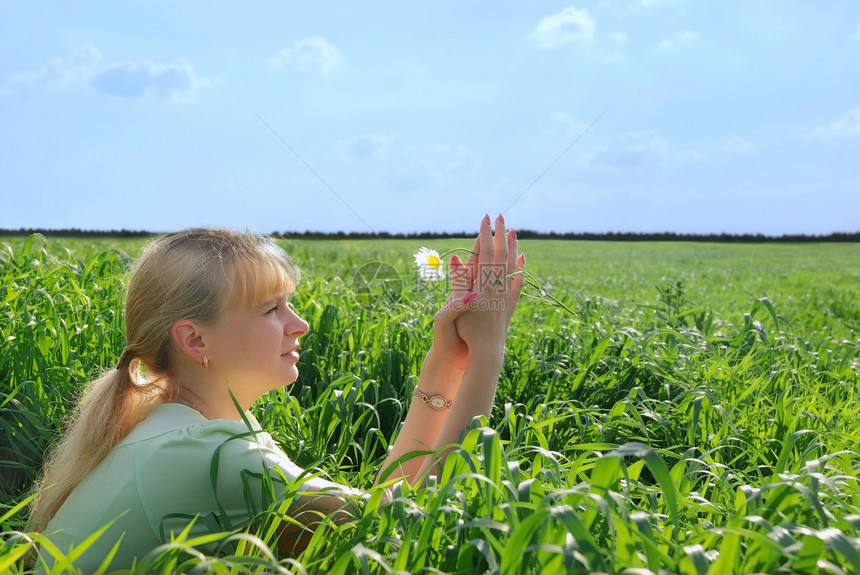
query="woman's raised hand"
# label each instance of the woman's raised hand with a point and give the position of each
(464, 363)
(489, 285)
(485, 291)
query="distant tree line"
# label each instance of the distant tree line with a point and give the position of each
(76, 233)
(589, 236)
(522, 234)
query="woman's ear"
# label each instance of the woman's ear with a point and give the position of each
(188, 339)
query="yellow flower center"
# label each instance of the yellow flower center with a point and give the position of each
(433, 261)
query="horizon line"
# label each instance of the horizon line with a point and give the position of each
(521, 234)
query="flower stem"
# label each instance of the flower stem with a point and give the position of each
(533, 282)
(451, 251)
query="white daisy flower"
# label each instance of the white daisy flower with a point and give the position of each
(429, 265)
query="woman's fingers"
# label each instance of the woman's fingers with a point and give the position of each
(519, 278)
(497, 280)
(472, 262)
(511, 237)
(483, 252)
(500, 244)
(486, 238)
(461, 281)
(496, 249)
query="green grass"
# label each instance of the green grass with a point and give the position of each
(697, 415)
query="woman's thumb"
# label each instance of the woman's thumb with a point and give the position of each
(455, 306)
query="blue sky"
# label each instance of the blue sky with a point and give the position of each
(732, 116)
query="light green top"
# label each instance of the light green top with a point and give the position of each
(175, 465)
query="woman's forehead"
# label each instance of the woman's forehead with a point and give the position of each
(263, 282)
(274, 298)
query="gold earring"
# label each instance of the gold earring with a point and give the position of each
(205, 362)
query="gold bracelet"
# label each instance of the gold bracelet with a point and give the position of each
(437, 402)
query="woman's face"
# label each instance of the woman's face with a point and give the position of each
(256, 348)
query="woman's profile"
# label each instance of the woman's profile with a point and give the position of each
(167, 439)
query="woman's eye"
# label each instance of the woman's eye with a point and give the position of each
(274, 309)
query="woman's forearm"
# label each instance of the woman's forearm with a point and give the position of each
(474, 398)
(421, 427)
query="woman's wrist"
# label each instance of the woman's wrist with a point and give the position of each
(484, 352)
(484, 366)
(438, 377)
(440, 366)
(437, 401)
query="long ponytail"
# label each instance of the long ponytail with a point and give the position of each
(109, 409)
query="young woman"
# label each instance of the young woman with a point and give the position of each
(166, 438)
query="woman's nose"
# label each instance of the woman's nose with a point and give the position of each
(295, 325)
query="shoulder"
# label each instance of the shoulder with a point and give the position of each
(172, 418)
(176, 443)
(174, 428)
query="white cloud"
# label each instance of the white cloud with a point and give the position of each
(143, 79)
(634, 149)
(619, 38)
(366, 146)
(847, 126)
(569, 25)
(677, 40)
(313, 55)
(76, 69)
(738, 145)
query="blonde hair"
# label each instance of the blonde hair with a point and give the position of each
(193, 274)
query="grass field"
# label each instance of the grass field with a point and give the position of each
(697, 415)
